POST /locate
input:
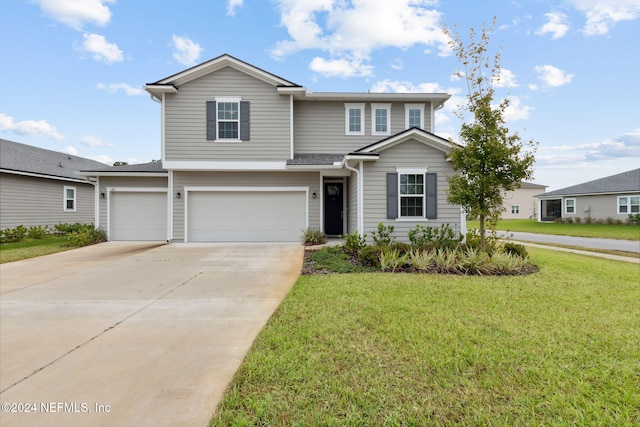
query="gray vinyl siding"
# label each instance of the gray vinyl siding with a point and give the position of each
(244, 179)
(410, 154)
(320, 126)
(600, 207)
(125, 181)
(32, 201)
(186, 127)
(352, 203)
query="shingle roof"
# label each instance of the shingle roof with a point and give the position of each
(526, 184)
(621, 183)
(315, 159)
(29, 159)
(151, 167)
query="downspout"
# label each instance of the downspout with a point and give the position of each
(291, 124)
(359, 198)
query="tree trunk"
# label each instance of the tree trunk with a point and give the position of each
(482, 232)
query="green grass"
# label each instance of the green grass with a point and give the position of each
(560, 347)
(30, 248)
(606, 231)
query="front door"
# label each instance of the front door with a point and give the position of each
(333, 208)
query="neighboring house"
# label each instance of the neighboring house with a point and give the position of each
(42, 187)
(615, 197)
(521, 203)
(250, 156)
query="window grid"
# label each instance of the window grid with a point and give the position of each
(570, 206)
(228, 120)
(411, 195)
(414, 118)
(515, 209)
(381, 121)
(69, 199)
(629, 204)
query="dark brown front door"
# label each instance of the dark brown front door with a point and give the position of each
(333, 208)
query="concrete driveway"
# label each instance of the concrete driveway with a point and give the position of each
(133, 334)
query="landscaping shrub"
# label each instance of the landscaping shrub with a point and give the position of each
(392, 260)
(383, 236)
(403, 248)
(578, 220)
(66, 228)
(354, 242)
(442, 237)
(422, 260)
(38, 232)
(569, 220)
(515, 249)
(446, 261)
(12, 235)
(634, 219)
(473, 240)
(370, 255)
(86, 235)
(331, 259)
(312, 237)
(475, 262)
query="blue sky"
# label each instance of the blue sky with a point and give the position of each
(73, 70)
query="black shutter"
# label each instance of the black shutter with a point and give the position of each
(211, 120)
(432, 196)
(392, 195)
(244, 121)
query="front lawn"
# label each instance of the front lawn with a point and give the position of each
(605, 231)
(31, 248)
(559, 347)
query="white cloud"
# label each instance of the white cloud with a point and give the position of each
(397, 64)
(232, 5)
(516, 110)
(115, 87)
(34, 128)
(101, 49)
(93, 141)
(505, 79)
(552, 76)
(348, 30)
(102, 159)
(556, 26)
(186, 51)
(625, 146)
(75, 13)
(69, 149)
(340, 68)
(602, 15)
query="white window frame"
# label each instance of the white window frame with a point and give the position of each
(407, 110)
(422, 172)
(66, 199)
(628, 205)
(347, 109)
(566, 206)
(515, 209)
(374, 109)
(219, 100)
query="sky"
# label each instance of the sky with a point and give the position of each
(73, 71)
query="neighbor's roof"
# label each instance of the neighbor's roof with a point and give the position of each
(308, 159)
(626, 182)
(146, 169)
(25, 159)
(526, 184)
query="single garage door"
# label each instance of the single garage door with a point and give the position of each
(137, 215)
(246, 216)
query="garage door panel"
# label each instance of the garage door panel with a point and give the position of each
(138, 216)
(246, 216)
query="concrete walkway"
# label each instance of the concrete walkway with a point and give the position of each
(583, 242)
(133, 334)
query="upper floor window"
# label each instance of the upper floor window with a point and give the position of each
(354, 119)
(629, 204)
(570, 206)
(414, 115)
(380, 119)
(69, 199)
(228, 119)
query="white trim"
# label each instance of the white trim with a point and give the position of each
(291, 124)
(138, 174)
(432, 121)
(96, 204)
(204, 165)
(37, 175)
(407, 171)
(385, 107)
(65, 199)
(419, 135)
(353, 106)
(575, 210)
(215, 189)
(628, 197)
(408, 107)
(231, 100)
(322, 203)
(361, 198)
(163, 153)
(170, 193)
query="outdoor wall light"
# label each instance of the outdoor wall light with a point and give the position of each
(178, 195)
(102, 195)
(314, 195)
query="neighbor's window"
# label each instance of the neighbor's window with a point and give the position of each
(228, 118)
(515, 209)
(629, 204)
(411, 193)
(570, 206)
(354, 119)
(69, 199)
(380, 118)
(414, 115)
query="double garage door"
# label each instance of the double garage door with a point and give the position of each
(246, 215)
(137, 215)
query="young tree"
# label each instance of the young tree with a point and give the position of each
(490, 159)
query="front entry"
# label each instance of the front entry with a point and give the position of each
(333, 208)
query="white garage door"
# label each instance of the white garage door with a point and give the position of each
(246, 216)
(138, 216)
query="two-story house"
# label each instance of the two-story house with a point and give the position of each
(250, 156)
